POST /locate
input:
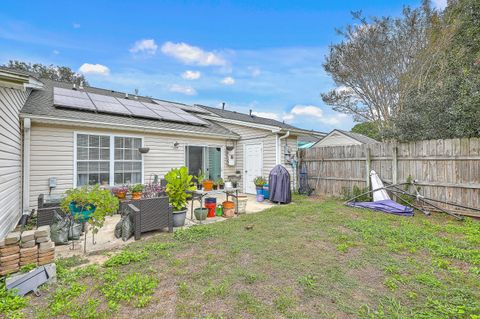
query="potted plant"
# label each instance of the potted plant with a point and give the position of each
(153, 190)
(136, 190)
(179, 183)
(91, 204)
(201, 213)
(220, 183)
(207, 185)
(259, 182)
(215, 185)
(120, 191)
(199, 179)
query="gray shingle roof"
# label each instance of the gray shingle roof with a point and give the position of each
(359, 137)
(40, 103)
(232, 115)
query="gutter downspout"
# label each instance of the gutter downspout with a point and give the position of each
(279, 147)
(26, 164)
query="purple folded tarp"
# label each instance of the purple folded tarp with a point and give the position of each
(387, 206)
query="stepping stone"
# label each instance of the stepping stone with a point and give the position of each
(46, 246)
(28, 260)
(9, 258)
(8, 250)
(47, 252)
(47, 259)
(28, 235)
(42, 239)
(12, 238)
(24, 252)
(42, 231)
(29, 244)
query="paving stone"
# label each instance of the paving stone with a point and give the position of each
(29, 244)
(42, 231)
(45, 246)
(49, 254)
(10, 262)
(29, 259)
(6, 271)
(29, 251)
(8, 250)
(46, 262)
(46, 259)
(12, 238)
(42, 239)
(2, 242)
(28, 235)
(8, 258)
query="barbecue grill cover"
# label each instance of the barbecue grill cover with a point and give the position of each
(279, 185)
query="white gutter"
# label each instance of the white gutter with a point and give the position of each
(279, 146)
(117, 126)
(26, 164)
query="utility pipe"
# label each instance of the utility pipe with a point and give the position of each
(279, 146)
(26, 163)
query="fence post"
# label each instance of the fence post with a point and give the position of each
(368, 167)
(394, 164)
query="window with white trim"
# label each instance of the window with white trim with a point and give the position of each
(128, 160)
(95, 164)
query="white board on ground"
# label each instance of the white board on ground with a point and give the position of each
(380, 194)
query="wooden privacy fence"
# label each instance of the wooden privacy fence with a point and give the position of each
(447, 170)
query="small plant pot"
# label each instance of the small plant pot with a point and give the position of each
(215, 187)
(201, 213)
(234, 184)
(221, 186)
(207, 185)
(199, 187)
(137, 195)
(121, 195)
(179, 218)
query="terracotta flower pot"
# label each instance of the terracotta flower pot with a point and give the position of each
(121, 195)
(207, 185)
(137, 195)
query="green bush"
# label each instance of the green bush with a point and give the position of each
(11, 305)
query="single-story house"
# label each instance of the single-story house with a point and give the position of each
(57, 136)
(340, 138)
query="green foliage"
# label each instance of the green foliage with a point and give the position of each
(179, 183)
(11, 305)
(52, 72)
(259, 181)
(105, 203)
(348, 194)
(133, 288)
(200, 177)
(308, 281)
(28, 267)
(63, 302)
(126, 257)
(219, 181)
(370, 129)
(193, 233)
(136, 188)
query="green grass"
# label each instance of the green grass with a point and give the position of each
(311, 259)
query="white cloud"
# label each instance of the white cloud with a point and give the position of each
(192, 55)
(254, 71)
(191, 75)
(76, 25)
(440, 4)
(88, 68)
(187, 90)
(147, 46)
(268, 115)
(56, 52)
(311, 111)
(228, 80)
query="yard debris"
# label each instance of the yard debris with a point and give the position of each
(249, 227)
(25, 283)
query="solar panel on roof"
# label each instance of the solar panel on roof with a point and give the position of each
(188, 108)
(193, 119)
(72, 99)
(108, 104)
(138, 109)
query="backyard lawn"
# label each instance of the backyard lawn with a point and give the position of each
(310, 259)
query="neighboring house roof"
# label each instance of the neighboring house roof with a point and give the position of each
(254, 119)
(360, 138)
(40, 105)
(18, 79)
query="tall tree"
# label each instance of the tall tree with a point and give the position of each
(368, 64)
(369, 129)
(53, 72)
(443, 100)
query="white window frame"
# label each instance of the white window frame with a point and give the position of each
(112, 155)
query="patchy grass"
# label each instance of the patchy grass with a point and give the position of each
(311, 259)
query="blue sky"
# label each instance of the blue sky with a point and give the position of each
(260, 55)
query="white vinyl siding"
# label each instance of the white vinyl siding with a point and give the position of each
(52, 155)
(11, 102)
(337, 139)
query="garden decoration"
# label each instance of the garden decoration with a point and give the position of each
(259, 182)
(179, 183)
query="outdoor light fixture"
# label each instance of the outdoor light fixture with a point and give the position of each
(287, 154)
(176, 144)
(144, 150)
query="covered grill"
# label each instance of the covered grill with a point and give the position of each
(279, 185)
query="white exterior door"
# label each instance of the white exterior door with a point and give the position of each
(253, 164)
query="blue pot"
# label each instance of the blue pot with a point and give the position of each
(266, 193)
(82, 213)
